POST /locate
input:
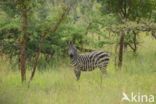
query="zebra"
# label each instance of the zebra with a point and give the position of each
(88, 61)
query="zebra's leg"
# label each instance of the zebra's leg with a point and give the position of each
(103, 72)
(103, 69)
(77, 74)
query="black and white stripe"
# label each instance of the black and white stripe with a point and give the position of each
(89, 61)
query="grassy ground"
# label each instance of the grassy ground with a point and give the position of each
(60, 87)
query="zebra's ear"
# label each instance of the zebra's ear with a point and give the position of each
(70, 42)
(67, 42)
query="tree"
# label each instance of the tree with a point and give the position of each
(23, 6)
(128, 10)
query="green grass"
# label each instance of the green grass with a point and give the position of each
(60, 87)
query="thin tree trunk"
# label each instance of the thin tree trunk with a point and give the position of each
(36, 58)
(115, 59)
(53, 30)
(121, 46)
(61, 18)
(22, 54)
(35, 65)
(135, 42)
(153, 34)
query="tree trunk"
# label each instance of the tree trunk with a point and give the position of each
(22, 53)
(35, 65)
(115, 58)
(135, 41)
(154, 34)
(36, 58)
(121, 46)
(133, 45)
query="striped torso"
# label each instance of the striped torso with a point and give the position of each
(89, 61)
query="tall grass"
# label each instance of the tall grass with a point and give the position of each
(58, 85)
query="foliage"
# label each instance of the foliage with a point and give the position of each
(89, 23)
(129, 9)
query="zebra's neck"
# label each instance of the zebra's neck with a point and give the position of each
(75, 57)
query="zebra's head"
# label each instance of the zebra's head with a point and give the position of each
(72, 51)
